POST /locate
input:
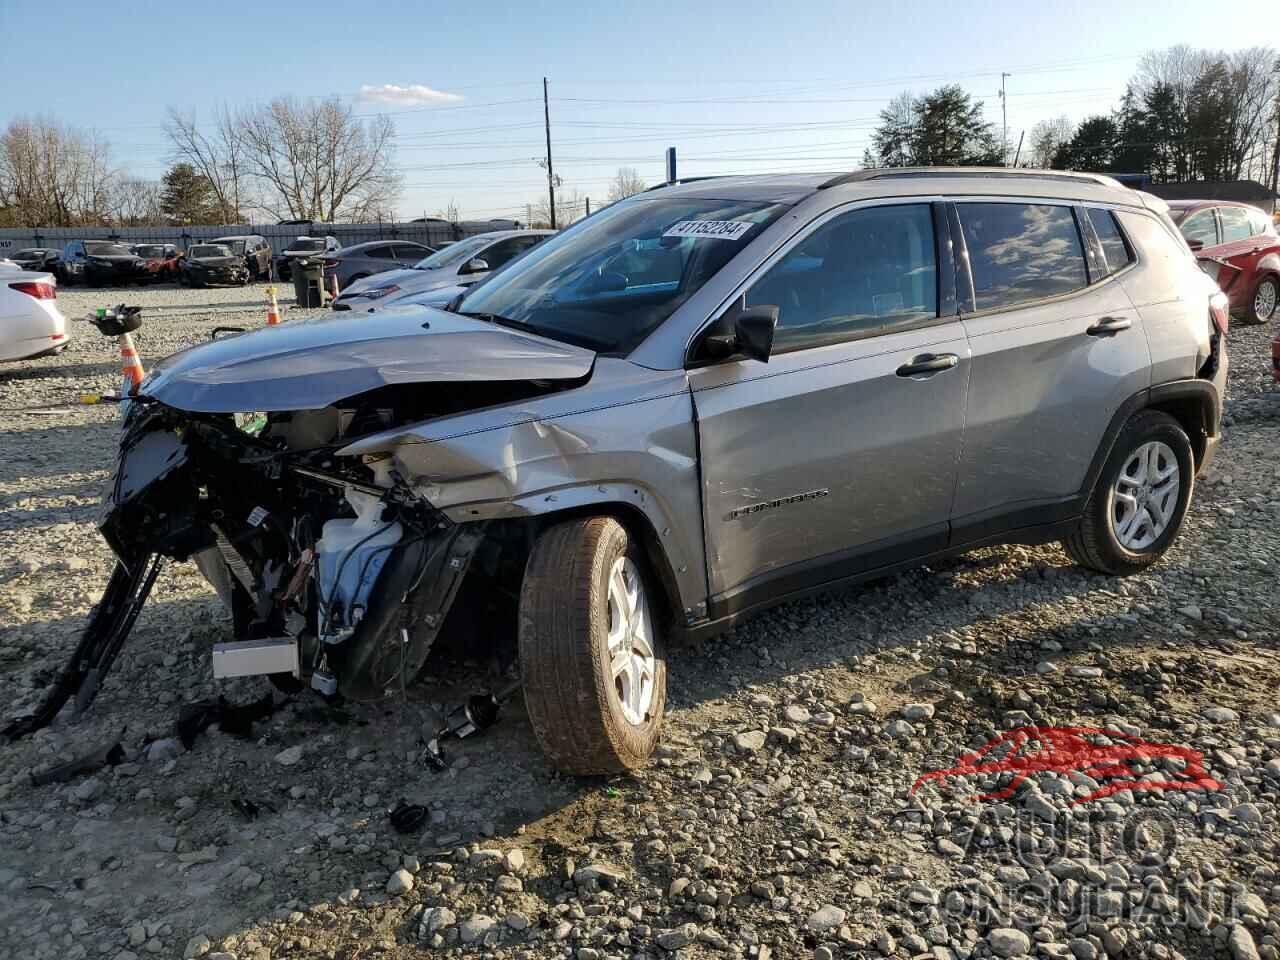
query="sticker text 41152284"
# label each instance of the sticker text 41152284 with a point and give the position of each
(709, 229)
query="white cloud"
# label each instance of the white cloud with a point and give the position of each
(415, 94)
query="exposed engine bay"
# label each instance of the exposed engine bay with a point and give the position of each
(338, 576)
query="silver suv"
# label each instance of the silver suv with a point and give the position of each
(702, 400)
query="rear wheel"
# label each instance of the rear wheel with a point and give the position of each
(591, 658)
(1265, 297)
(1138, 504)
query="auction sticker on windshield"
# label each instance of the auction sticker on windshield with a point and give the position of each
(710, 229)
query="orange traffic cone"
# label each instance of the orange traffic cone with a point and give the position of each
(273, 309)
(130, 364)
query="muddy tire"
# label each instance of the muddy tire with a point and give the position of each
(591, 658)
(1138, 504)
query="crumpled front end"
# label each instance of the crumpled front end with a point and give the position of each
(334, 571)
(338, 573)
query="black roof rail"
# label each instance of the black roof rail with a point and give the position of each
(674, 183)
(985, 173)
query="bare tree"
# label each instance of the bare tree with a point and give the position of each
(571, 205)
(136, 203)
(53, 175)
(317, 160)
(1254, 96)
(218, 155)
(1047, 137)
(625, 183)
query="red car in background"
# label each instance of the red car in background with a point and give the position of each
(1238, 246)
(160, 260)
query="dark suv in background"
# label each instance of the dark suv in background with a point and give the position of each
(255, 250)
(100, 262)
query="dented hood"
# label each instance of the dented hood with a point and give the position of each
(308, 364)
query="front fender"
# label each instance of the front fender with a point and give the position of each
(640, 455)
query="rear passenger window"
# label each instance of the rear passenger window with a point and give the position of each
(1020, 252)
(1235, 224)
(863, 273)
(1114, 246)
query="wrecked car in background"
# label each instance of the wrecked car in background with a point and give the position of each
(207, 263)
(698, 402)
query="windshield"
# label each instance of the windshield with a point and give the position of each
(208, 250)
(104, 249)
(235, 246)
(454, 253)
(307, 244)
(610, 280)
(150, 250)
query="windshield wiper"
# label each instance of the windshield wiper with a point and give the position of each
(503, 321)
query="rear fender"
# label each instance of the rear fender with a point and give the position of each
(1269, 264)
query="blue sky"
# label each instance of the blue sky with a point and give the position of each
(625, 78)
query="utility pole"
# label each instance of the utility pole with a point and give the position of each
(551, 177)
(1004, 114)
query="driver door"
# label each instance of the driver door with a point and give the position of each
(840, 454)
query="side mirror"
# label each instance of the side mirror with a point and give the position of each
(476, 265)
(752, 337)
(1195, 245)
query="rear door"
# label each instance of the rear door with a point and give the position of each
(839, 454)
(1057, 347)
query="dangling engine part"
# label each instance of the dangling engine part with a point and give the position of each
(336, 575)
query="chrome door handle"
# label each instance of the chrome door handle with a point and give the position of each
(928, 364)
(1109, 325)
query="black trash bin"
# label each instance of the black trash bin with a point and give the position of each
(308, 281)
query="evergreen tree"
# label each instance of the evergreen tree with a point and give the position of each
(188, 197)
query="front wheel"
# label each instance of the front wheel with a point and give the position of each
(1265, 297)
(1138, 504)
(591, 658)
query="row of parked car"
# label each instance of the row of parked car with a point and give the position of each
(234, 259)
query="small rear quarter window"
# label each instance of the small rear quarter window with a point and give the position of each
(1115, 248)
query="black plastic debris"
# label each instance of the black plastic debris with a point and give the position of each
(478, 712)
(249, 809)
(235, 719)
(407, 817)
(109, 755)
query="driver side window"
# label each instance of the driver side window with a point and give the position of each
(858, 275)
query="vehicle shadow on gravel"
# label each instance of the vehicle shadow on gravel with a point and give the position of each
(59, 369)
(39, 453)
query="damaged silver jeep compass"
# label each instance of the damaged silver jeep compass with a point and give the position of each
(699, 401)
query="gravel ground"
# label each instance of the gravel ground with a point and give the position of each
(778, 820)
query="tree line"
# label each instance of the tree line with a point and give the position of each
(1186, 114)
(287, 159)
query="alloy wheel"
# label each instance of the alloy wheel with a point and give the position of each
(632, 662)
(1144, 496)
(1264, 301)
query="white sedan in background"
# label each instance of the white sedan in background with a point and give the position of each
(31, 325)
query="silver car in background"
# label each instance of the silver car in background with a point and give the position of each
(464, 262)
(362, 260)
(700, 401)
